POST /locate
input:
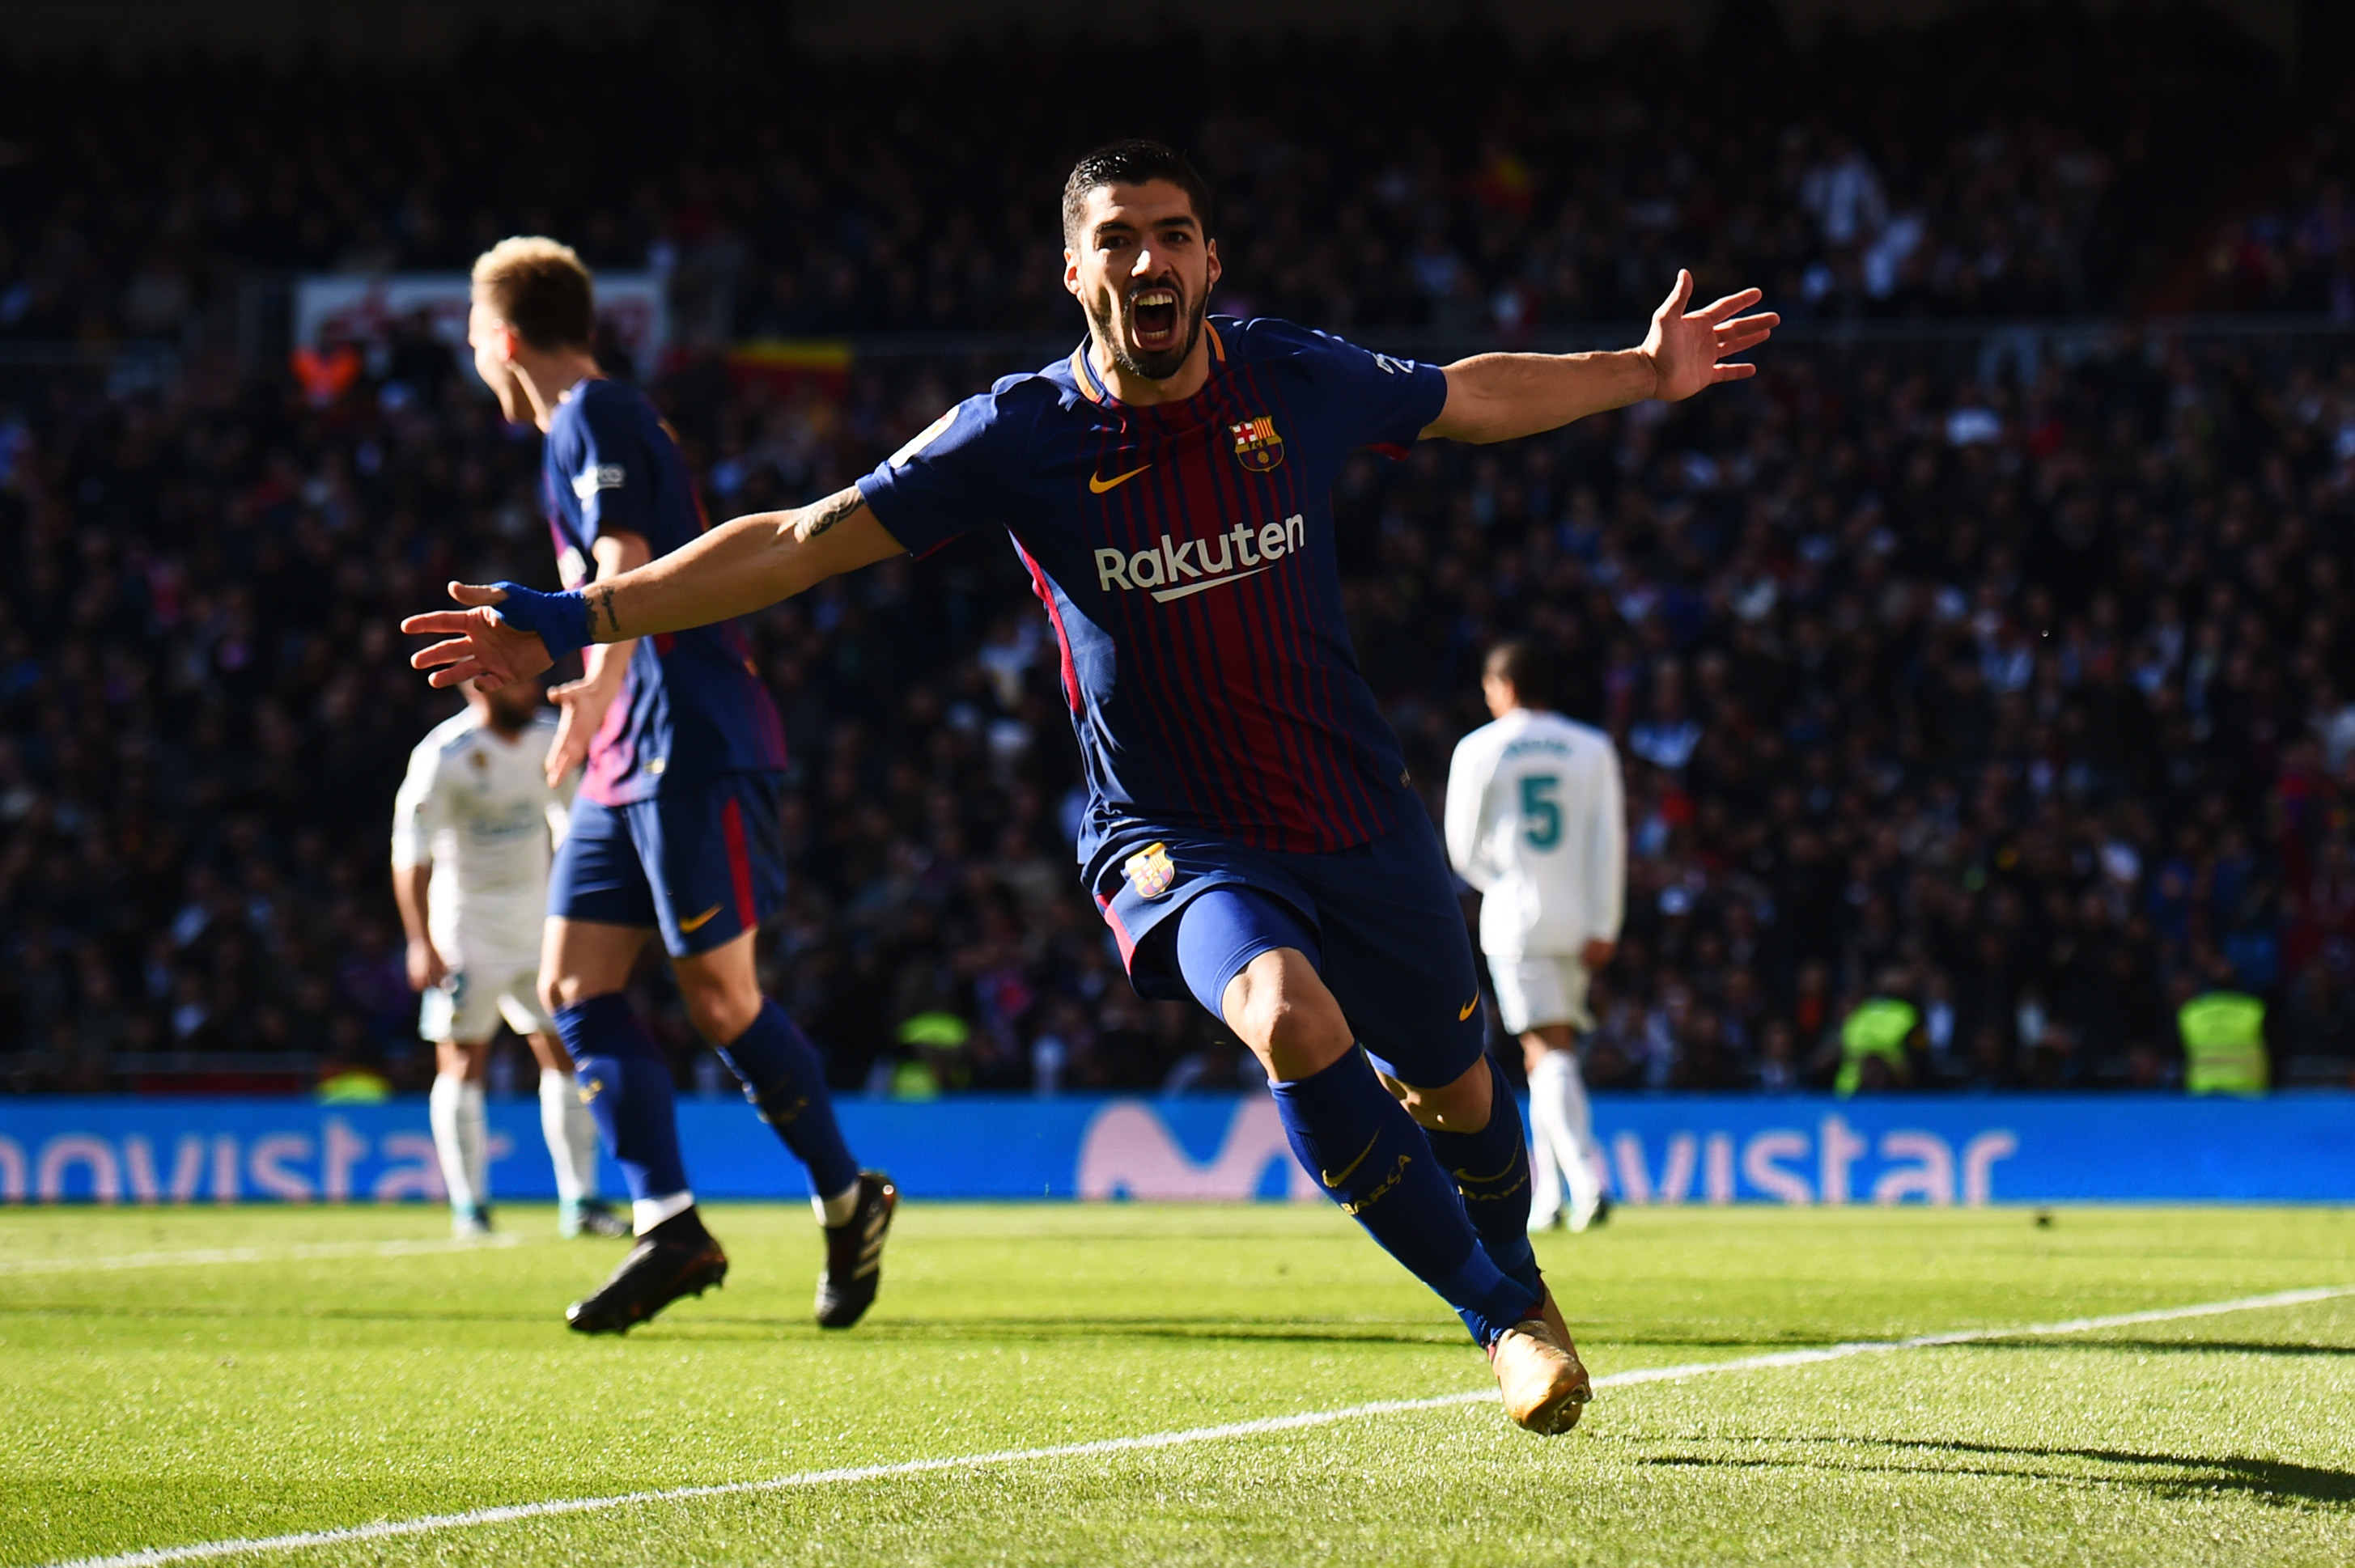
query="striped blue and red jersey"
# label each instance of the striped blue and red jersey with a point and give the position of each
(1185, 555)
(692, 707)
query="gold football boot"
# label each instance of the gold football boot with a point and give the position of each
(1545, 1384)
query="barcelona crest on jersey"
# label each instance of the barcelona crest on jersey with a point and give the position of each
(1257, 446)
(1149, 871)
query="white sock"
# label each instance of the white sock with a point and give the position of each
(646, 1213)
(837, 1210)
(1582, 1167)
(1545, 1171)
(461, 1133)
(1558, 1105)
(1553, 1138)
(571, 1134)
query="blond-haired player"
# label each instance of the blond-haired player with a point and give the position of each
(674, 831)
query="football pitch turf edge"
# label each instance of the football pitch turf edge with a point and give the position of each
(2185, 1441)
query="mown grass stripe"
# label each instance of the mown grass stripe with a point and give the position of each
(207, 1256)
(383, 1530)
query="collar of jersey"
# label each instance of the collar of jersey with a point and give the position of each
(1092, 386)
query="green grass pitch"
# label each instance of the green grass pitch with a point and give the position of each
(303, 1377)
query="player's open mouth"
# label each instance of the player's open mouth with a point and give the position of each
(1153, 317)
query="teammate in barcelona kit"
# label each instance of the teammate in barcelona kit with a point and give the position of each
(1535, 820)
(675, 829)
(1252, 836)
(472, 828)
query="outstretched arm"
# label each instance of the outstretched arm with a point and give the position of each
(604, 665)
(738, 568)
(1498, 397)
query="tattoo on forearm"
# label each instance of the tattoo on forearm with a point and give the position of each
(601, 608)
(825, 514)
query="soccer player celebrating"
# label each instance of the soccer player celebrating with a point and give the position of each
(1535, 822)
(471, 831)
(674, 830)
(1252, 836)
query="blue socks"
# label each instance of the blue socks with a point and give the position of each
(786, 1083)
(1372, 1159)
(1491, 1169)
(626, 1085)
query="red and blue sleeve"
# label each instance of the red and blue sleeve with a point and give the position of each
(615, 476)
(947, 480)
(1381, 401)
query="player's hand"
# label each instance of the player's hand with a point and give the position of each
(426, 969)
(1685, 349)
(580, 712)
(481, 647)
(1596, 954)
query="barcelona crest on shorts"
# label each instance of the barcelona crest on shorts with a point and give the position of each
(1149, 871)
(1257, 446)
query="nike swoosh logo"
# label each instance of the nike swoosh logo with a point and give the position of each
(1097, 485)
(1166, 595)
(1468, 1007)
(1335, 1182)
(700, 921)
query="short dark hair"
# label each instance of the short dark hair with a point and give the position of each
(1526, 668)
(1133, 162)
(540, 289)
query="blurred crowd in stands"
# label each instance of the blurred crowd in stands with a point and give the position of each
(2295, 252)
(2012, 677)
(2008, 159)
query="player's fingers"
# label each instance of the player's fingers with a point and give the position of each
(1735, 344)
(1733, 372)
(1763, 323)
(1678, 297)
(473, 594)
(1718, 310)
(441, 653)
(435, 623)
(451, 674)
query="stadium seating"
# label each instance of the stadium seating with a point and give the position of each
(2000, 663)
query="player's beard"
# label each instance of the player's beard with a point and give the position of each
(1168, 361)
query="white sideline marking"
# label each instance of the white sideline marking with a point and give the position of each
(258, 1255)
(384, 1529)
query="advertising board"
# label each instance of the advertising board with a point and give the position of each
(1668, 1151)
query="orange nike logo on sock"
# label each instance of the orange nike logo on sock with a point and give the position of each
(1335, 1182)
(1097, 484)
(700, 921)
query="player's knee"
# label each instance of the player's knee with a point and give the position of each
(1533, 1050)
(559, 991)
(719, 1013)
(1294, 1028)
(1460, 1106)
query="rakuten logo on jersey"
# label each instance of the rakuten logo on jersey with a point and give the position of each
(1175, 570)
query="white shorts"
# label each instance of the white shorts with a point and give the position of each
(1540, 989)
(467, 1006)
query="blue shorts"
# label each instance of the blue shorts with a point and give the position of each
(1381, 922)
(703, 865)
